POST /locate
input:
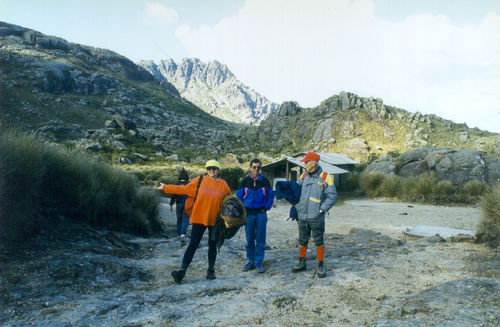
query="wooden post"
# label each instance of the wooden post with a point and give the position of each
(287, 171)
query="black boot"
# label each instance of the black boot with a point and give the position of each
(320, 269)
(210, 273)
(178, 275)
(300, 266)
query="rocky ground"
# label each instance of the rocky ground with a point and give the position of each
(376, 276)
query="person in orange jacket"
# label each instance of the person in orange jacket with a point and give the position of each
(208, 197)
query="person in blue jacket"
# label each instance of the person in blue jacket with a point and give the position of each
(257, 196)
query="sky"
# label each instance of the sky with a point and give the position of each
(437, 57)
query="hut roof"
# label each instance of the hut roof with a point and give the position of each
(329, 168)
(330, 158)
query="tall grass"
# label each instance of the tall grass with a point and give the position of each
(352, 183)
(391, 186)
(489, 227)
(38, 179)
(423, 188)
(370, 183)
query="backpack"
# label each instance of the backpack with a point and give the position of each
(324, 175)
(233, 213)
(189, 202)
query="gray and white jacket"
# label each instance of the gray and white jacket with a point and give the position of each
(316, 194)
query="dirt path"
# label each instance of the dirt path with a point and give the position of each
(376, 276)
(373, 271)
(392, 218)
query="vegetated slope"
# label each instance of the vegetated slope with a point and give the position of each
(362, 127)
(70, 92)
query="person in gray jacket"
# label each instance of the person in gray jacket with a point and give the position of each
(318, 195)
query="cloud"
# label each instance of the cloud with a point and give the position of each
(309, 51)
(158, 14)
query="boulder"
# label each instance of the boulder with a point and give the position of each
(492, 169)
(172, 157)
(323, 131)
(94, 147)
(382, 167)
(288, 109)
(118, 145)
(461, 167)
(421, 153)
(344, 100)
(414, 168)
(357, 148)
(230, 160)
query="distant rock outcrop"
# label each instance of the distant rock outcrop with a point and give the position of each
(363, 128)
(457, 166)
(213, 88)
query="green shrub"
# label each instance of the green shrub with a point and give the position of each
(150, 176)
(475, 188)
(443, 192)
(352, 183)
(425, 186)
(232, 176)
(38, 178)
(409, 189)
(370, 183)
(391, 186)
(489, 226)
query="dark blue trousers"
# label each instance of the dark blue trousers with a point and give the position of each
(255, 230)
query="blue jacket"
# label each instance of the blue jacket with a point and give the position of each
(256, 195)
(290, 191)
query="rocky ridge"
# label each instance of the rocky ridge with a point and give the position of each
(365, 127)
(68, 92)
(214, 88)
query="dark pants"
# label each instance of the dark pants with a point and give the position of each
(317, 227)
(182, 219)
(197, 231)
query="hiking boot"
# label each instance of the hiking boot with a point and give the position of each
(259, 268)
(210, 274)
(300, 266)
(178, 275)
(249, 266)
(320, 269)
(182, 238)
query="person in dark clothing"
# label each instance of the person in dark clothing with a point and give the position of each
(179, 200)
(257, 196)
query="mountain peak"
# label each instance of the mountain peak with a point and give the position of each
(214, 88)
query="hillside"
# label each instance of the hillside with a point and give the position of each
(214, 88)
(96, 99)
(364, 127)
